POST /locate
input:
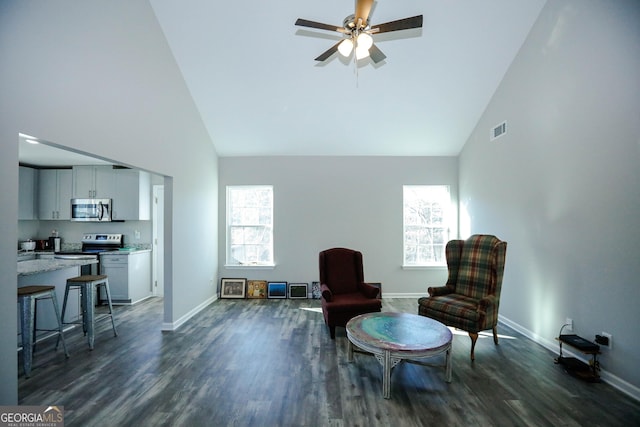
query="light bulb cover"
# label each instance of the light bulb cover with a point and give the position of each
(345, 47)
(365, 41)
(361, 52)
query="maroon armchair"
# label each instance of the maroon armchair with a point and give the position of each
(344, 292)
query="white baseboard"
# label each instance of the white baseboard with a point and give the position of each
(613, 380)
(395, 295)
(175, 325)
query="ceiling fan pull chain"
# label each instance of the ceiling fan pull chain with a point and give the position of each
(355, 65)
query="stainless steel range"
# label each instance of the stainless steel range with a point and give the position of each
(98, 242)
(93, 244)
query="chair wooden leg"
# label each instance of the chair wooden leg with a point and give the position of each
(495, 335)
(332, 332)
(474, 338)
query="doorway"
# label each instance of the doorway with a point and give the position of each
(157, 278)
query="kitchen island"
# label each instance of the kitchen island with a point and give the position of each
(54, 272)
(39, 266)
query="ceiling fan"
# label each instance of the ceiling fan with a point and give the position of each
(358, 32)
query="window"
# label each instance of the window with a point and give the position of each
(250, 225)
(426, 211)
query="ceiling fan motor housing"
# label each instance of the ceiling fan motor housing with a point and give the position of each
(350, 23)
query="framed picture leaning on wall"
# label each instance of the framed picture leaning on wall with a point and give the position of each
(232, 288)
(297, 290)
(277, 290)
(256, 289)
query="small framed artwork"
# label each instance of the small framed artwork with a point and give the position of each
(256, 289)
(316, 293)
(276, 289)
(232, 288)
(297, 290)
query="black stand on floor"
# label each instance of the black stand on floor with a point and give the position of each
(577, 367)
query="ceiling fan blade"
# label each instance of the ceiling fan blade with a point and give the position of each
(400, 24)
(376, 54)
(363, 8)
(333, 49)
(319, 25)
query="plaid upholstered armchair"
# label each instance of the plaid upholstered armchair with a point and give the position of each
(471, 297)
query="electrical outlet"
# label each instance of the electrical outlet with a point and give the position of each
(609, 336)
(569, 323)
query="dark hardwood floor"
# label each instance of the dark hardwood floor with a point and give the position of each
(272, 363)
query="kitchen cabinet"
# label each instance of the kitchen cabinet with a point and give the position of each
(129, 275)
(90, 182)
(129, 189)
(54, 194)
(132, 196)
(27, 193)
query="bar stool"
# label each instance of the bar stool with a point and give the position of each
(27, 298)
(87, 284)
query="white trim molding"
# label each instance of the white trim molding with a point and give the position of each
(613, 380)
(181, 321)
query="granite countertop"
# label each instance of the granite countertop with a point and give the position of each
(36, 266)
(126, 251)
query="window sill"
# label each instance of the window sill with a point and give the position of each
(424, 267)
(250, 266)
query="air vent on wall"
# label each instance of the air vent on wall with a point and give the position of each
(499, 130)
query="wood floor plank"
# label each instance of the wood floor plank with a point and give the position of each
(272, 363)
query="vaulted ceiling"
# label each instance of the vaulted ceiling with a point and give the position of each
(253, 77)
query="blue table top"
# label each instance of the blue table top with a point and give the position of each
(399, 331)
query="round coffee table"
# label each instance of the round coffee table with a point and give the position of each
(393, 337)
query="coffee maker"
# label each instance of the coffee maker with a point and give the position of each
(54, 241)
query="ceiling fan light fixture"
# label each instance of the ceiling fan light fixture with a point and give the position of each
(345, 47)
(365, 41)
(358, 32)
(361, 52)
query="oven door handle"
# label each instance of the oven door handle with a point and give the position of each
(76, 257)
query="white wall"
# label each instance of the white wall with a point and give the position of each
(324, 202)
(563, 186)
(98, 77)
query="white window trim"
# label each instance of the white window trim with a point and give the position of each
(449, 211)
(254, 266)
(250, 266)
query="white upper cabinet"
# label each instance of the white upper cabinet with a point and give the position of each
(129, 189)
(132, 196)
(27, 193)
(93, 182)
(54, 201)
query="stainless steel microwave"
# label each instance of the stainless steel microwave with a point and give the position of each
(91, 210)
